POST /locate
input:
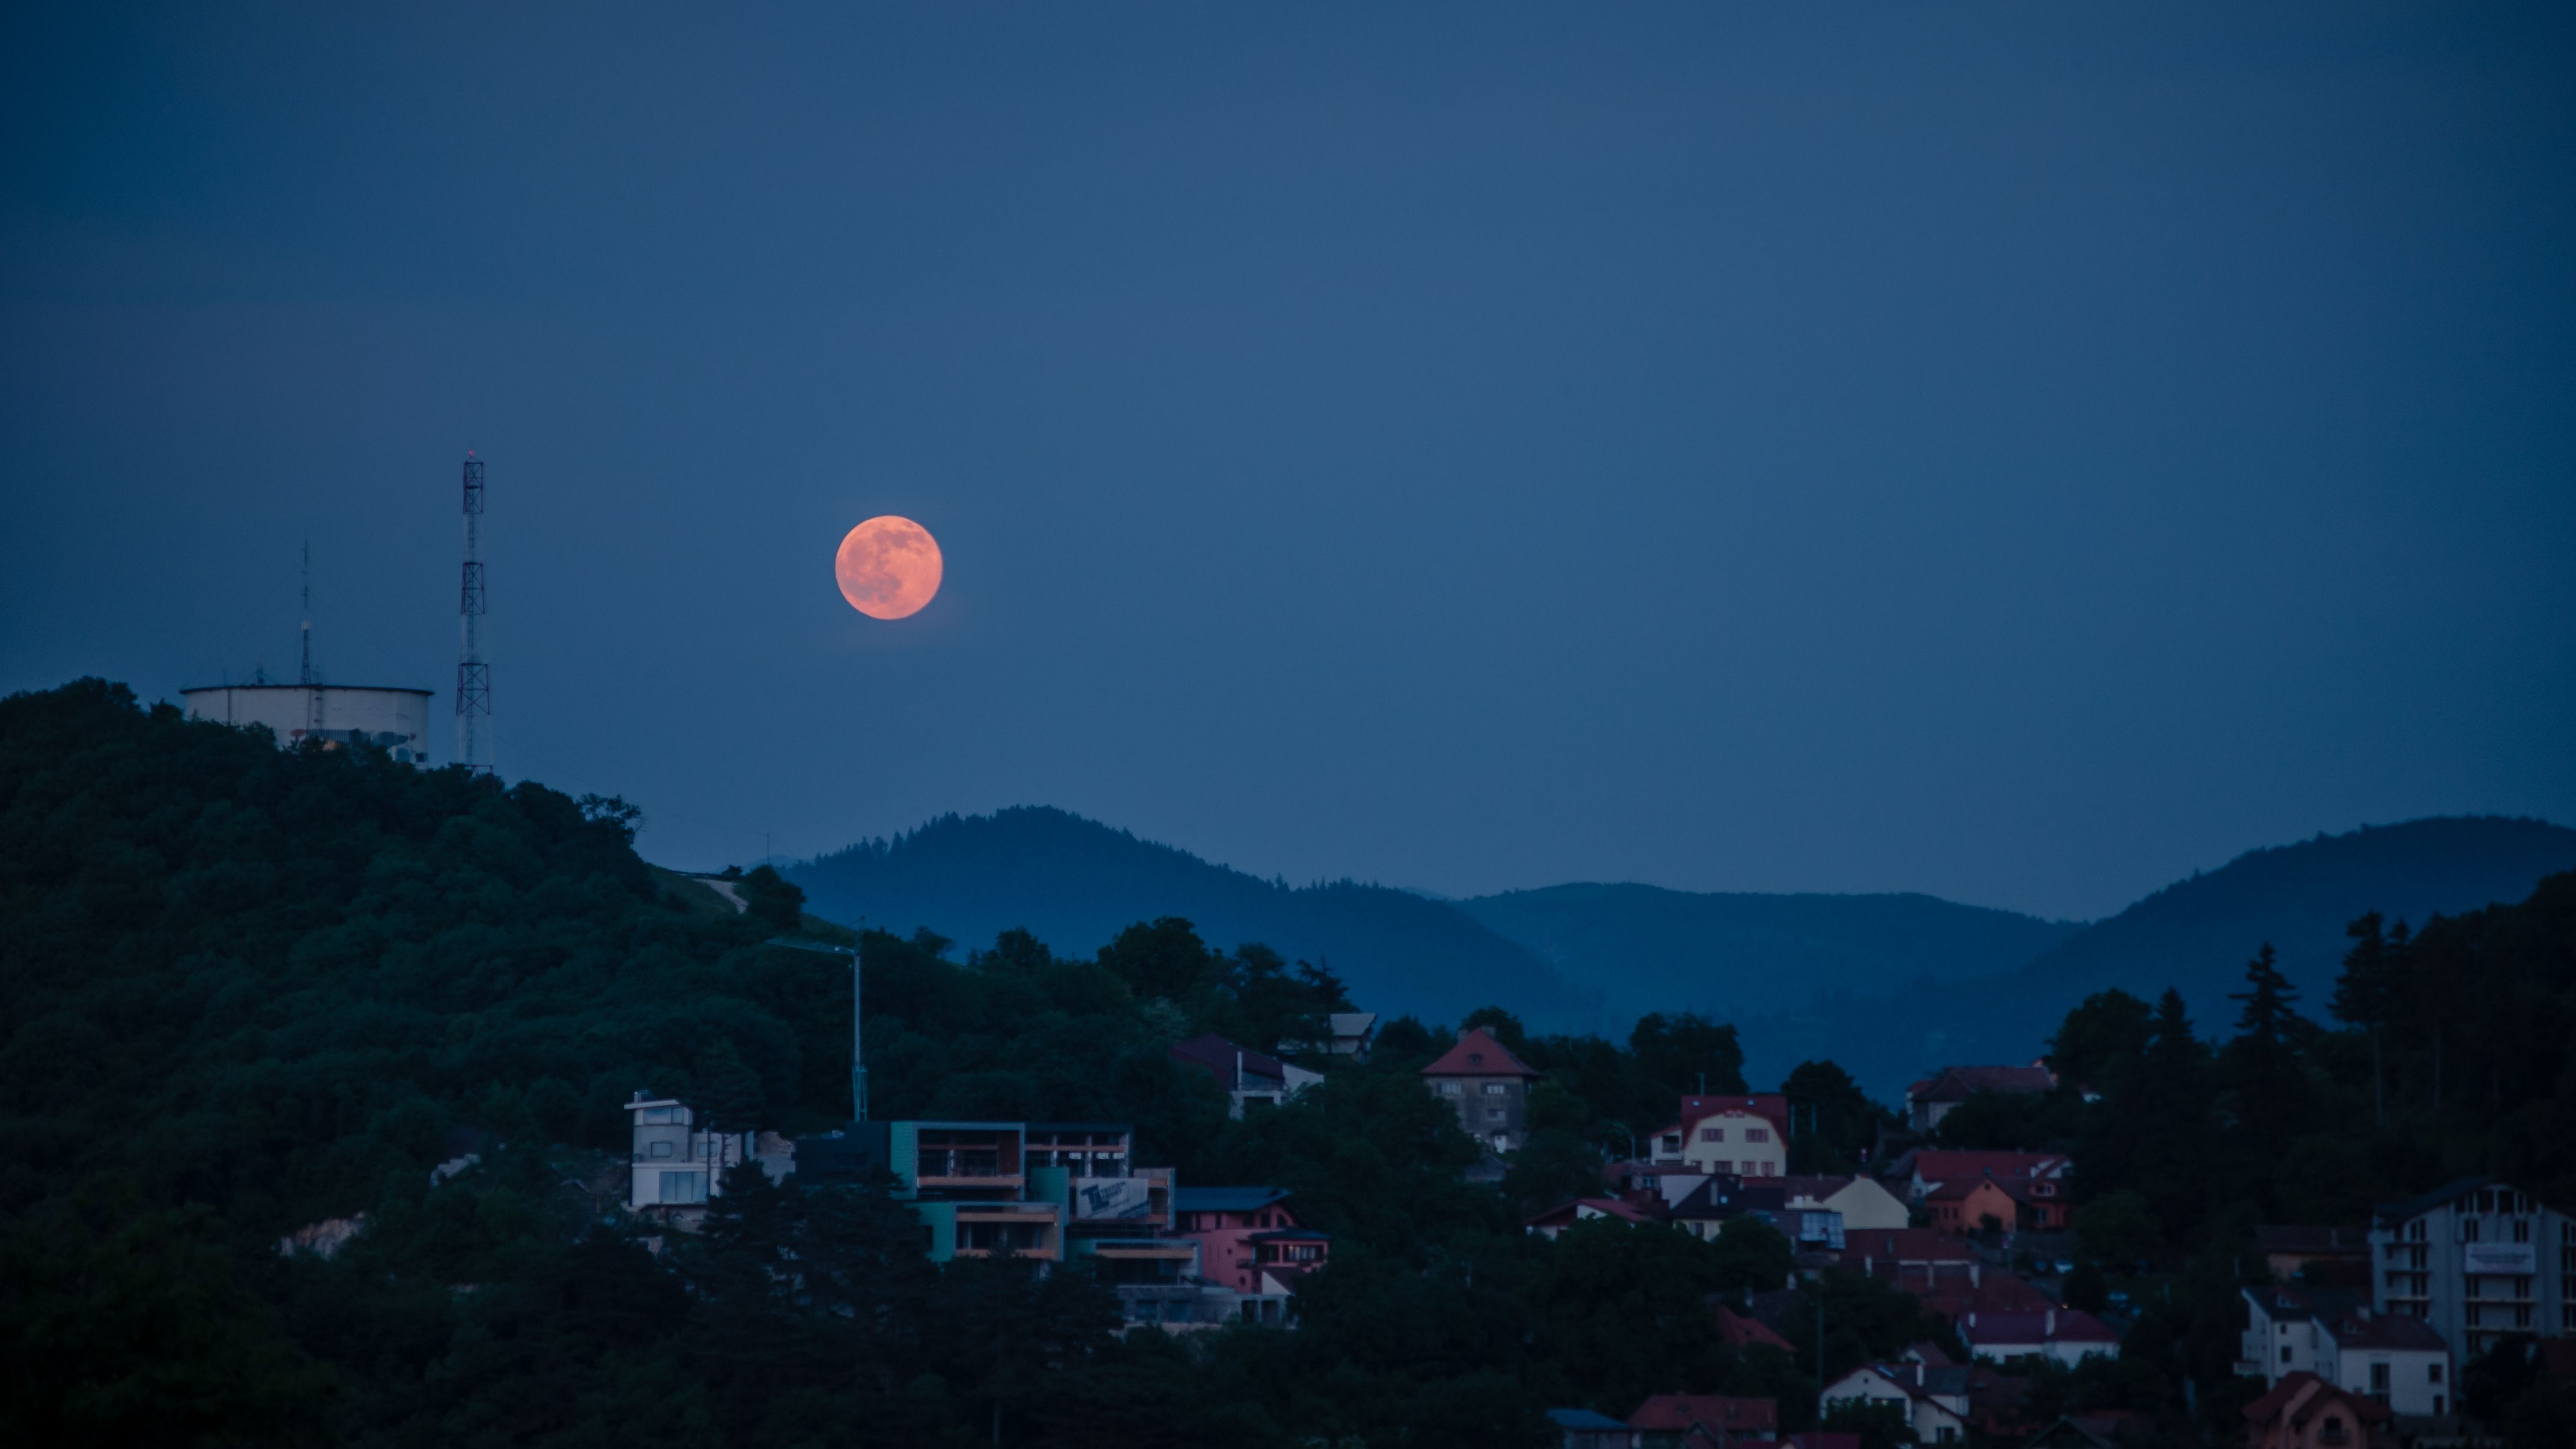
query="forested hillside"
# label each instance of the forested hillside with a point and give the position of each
(1076, 883)
(1737, 955)
(2193, 935)
(247, 991)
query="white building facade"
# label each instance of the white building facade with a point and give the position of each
(2476, 1259)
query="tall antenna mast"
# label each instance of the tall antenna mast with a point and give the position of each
(473, 673)
(304, 676)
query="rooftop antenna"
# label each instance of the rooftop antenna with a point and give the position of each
(473, 673)
(304, 676)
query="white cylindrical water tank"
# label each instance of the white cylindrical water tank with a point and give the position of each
(396, 720)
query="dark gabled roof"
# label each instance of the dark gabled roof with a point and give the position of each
(1226, 1199)
(1477, 1054)
(1216, 1056)
(1717, 1197)
(1958, 1084)
(2386, 1330)
(2299, 1302)
(2417, 1206)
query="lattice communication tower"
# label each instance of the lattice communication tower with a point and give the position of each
(473, 672)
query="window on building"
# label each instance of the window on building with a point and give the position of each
(1496, 1089)
(1723, 1166)
(2285, 1352)
(1712, 1134)
(1449, 1089)
(1495, 1114)
(1757, 1134)
(684, 1187)
(2468, 1230)
(2433, 1375)
(2379, 1379)
(2522, 1315)
(2415, 1231)
(2522, 1230)
(661, 1149)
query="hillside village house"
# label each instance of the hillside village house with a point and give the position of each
(2065, 1336)
(2477, 1259)
(1934, 1397)
(1860, 1201)
(2303, 1411)
(1704, 1421)
(1966, 1191)
(1250, 1240)
(1488, 1087)
(1245, 1076)
(1927, 1102)
(675, 1167)
(1346, 1034)
(1740, 1136)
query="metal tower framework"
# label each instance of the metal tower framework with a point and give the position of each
(473, 672)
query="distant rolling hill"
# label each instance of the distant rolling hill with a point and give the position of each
(1888, 985)
(1075, 883)
(1731, 954)
(2195, 935)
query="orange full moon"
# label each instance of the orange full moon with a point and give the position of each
(888, 567)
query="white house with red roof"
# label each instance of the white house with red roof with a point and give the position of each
(1488, 1087)
(1743, 1136)
(2063, 1335)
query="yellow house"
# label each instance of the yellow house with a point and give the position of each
(1862, 1202)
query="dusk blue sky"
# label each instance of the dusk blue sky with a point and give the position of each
(2019, 453)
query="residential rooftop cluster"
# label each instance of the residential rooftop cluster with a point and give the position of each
(2362, 1333)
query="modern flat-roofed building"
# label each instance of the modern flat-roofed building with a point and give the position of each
(2477, 1259)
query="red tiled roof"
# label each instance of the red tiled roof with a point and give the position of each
(1771, 1107)
(2300, 1394)
(1741, 1332)
(1714, 1411)
(1477, 1054)
(2003, 1167)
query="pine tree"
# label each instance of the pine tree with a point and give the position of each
(2362, 996)
(2265, 1062)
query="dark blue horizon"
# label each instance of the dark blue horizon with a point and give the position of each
(2015, 454)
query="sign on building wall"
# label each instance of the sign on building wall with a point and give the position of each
(2521, 1258)
(1110, 1199)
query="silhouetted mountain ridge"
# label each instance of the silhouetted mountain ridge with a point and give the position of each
(1888, 984)
(1075, 883)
